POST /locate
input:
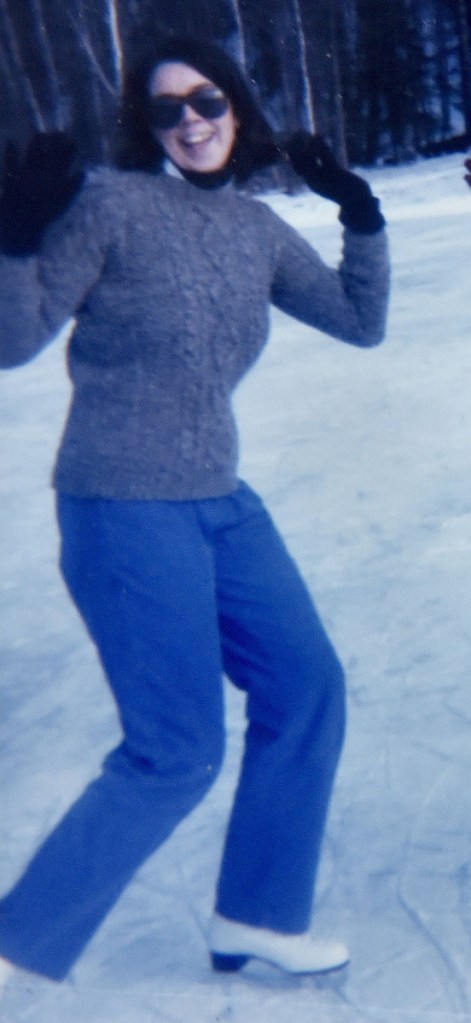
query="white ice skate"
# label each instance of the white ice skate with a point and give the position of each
(232, 944)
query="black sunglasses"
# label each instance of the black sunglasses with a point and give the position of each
(166, 111)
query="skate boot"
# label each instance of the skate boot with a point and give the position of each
(233, 944)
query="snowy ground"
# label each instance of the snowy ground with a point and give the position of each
(363, 458)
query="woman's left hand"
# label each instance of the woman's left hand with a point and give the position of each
(315, 162)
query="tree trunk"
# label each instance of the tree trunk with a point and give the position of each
(320, 24)
(464, 21)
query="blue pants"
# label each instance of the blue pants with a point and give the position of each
(173, 595)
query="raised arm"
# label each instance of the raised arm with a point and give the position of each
(349, 302)
(51, 250)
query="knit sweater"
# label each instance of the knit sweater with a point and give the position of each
(170, 287)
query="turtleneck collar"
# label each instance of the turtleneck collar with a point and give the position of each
(212, 179)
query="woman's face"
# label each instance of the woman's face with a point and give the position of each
(195, 143)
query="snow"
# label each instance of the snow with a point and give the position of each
(363, 459)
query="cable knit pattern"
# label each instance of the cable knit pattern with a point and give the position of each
(170, 287)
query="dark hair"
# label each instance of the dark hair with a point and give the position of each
(137, 149)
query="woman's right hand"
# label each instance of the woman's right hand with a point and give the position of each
(36, 190)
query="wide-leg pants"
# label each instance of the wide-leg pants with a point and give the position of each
(174, 594)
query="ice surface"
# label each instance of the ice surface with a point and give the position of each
(363, 459)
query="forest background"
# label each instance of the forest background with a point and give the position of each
(384, 81)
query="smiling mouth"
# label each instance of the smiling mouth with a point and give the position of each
(196, 140)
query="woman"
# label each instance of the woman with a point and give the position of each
(173, 562)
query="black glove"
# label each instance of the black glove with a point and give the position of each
(312, 159)
(36, 190)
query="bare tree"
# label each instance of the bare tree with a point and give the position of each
(320, 24)
(464, 22)
(377, 79)
(61, 67)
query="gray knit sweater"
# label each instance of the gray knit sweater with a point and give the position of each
(170, 286)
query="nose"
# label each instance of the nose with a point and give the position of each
(189, 114)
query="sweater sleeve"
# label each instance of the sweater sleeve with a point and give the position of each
(350, 302)
(40, 293)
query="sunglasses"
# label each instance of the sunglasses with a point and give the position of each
(166, 111)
